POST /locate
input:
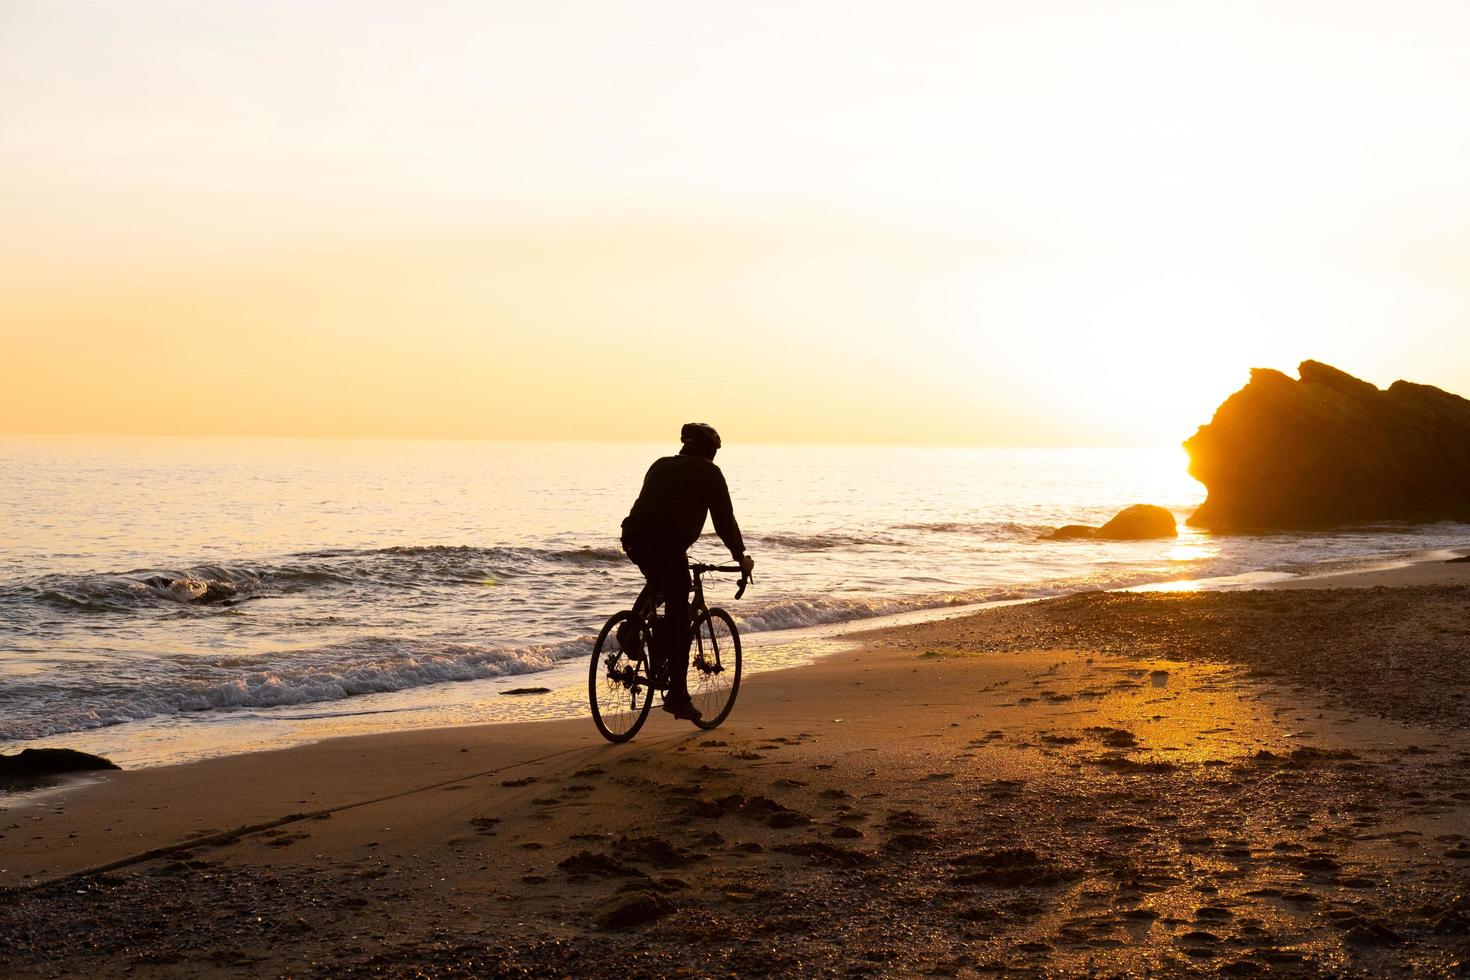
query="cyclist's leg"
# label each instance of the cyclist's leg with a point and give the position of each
(666, 569)
(639, 556)
(669, 572)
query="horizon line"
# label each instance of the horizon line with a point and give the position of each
(571, 441)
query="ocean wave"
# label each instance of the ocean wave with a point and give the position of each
(794, 613)
(33, 709)
(994, 530)
(124, 591)
(821, 541)
(465, 552)
(227, 584)
(432, 565)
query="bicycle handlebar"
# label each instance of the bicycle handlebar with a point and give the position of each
(699, 568)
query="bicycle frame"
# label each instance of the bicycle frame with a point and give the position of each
(648, 601)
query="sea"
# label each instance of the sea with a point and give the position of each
(165, 600)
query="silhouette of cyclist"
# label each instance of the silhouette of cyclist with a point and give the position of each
(668, 517)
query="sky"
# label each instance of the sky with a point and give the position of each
(966, 223)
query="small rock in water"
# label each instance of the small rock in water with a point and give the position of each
(1136, 523)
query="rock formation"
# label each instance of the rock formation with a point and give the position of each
(29, 764)
(1136, 523)
(1139, 522)
(1330, 449)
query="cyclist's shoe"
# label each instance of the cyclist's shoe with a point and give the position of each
(681, 707)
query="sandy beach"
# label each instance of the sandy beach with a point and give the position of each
(1271, 782)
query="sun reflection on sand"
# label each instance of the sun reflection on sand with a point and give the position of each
(1184, 585)
(1245, 580)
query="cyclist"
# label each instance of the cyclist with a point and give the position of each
(668, 516)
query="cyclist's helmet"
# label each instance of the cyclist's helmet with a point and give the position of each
(699, 436)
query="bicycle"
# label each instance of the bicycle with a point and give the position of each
(626, 669)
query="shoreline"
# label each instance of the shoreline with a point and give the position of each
(193, 737)
(1035, 787)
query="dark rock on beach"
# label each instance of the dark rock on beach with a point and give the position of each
(31, 764)
(1331, 449)
(1137, 523)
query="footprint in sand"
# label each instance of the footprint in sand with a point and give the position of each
(1117, 738)
(656, 851)
(585, 864)
(909, 842)
(823, 854)
(764, 808)
(1010, 868)
(907, 820)
(656, 885)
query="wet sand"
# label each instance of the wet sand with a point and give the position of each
(1246, 783)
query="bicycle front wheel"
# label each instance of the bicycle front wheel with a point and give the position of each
(618, 686)
(714, 666)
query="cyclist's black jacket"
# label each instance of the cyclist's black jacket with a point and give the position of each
(677, 493)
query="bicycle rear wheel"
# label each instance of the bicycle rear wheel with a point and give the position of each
(714, 666)
(618, 686)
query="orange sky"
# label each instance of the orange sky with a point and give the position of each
(963, 223)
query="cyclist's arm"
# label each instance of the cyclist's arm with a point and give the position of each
(722, 512)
